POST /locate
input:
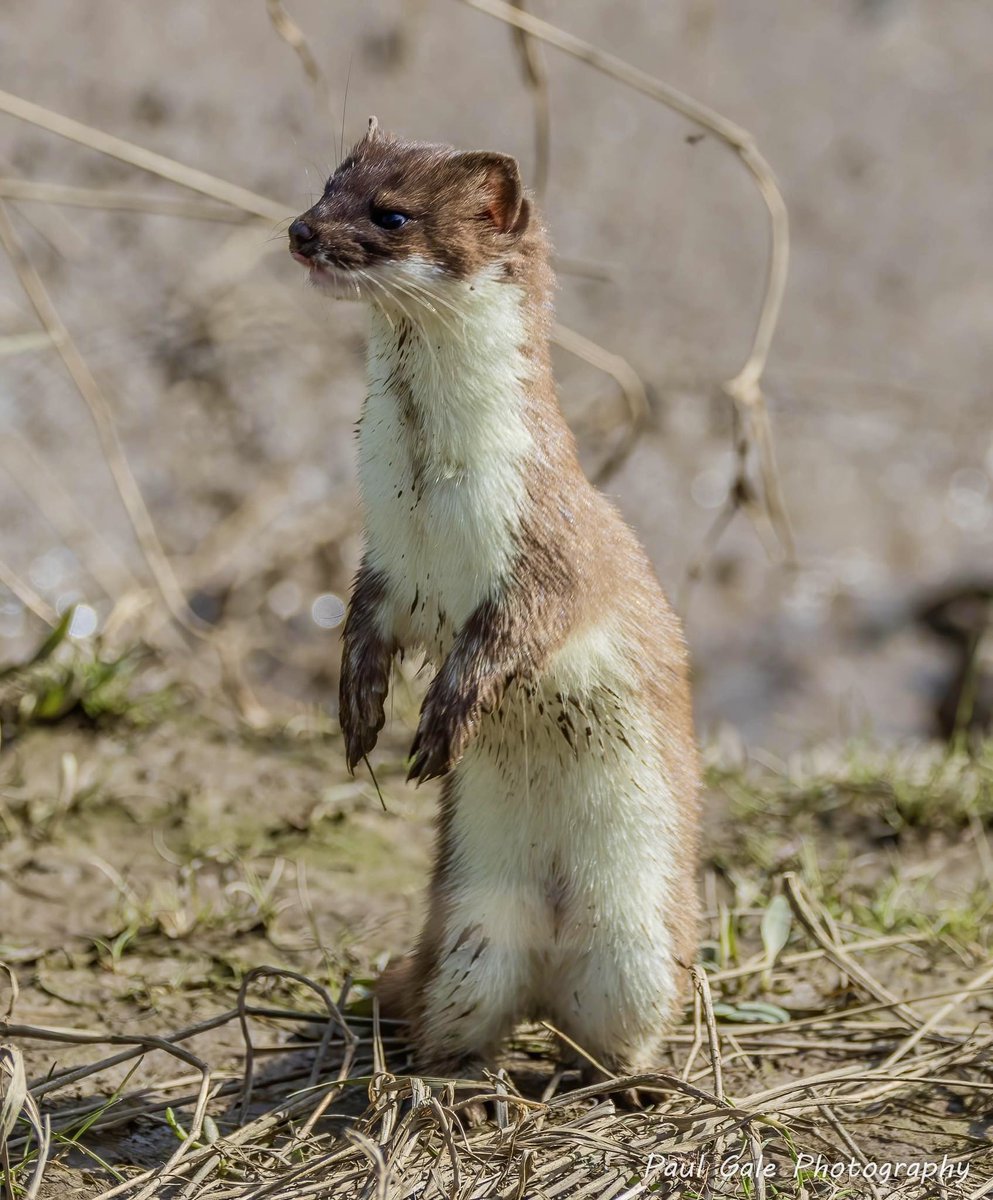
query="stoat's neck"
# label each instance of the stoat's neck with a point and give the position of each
(463, 363)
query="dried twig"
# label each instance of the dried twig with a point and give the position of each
(112, 199)
(23, 343)
(139, 156)
(701, 985)
(982, 980)
(849, 1143)
(16, 1102)
(334, 1017)
(536, 77)
(293, 35)
(627, 379)
(804, 912)
(27, 595)
(153, 1043)
(407, 1136)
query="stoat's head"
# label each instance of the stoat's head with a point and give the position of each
(400, 217)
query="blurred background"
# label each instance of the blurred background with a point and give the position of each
(234, 388)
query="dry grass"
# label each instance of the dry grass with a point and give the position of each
(287, 1132)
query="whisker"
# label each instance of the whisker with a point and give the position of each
(373, 284)
(419, 298)
(363, 276)
(353, 280)
(416, 325)
(434, 298)
(423, 296)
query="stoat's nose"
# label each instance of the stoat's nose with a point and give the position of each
(301, 237)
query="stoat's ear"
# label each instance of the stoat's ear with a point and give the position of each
(374, 135)
(496, 179)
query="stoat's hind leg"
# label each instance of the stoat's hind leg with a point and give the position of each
(400, 999)
(446, 1040)
(617, 1000)
(469, 1004)
(473, 990)
(475, 959)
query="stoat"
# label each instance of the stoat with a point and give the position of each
(559, 716)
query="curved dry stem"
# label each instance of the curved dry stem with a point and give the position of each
(804, 911)
(293, 35)
(334, 1018)
(626, 378)
(16, 1102)
(79, 1037)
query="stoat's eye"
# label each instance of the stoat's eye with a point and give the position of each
(387, 218)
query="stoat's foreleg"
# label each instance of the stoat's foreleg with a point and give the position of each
(367, 655)
(491, 649)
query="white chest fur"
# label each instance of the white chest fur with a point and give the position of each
(441, 447)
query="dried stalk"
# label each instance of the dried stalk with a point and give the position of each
(112, 199)
(27, 595)
(536, 77)
(626, 378)
(293, 36)
(139, 156)
(836, 952)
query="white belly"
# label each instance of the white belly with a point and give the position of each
(562, 843)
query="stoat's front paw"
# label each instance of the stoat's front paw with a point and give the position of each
(362, 698)
(443, 731)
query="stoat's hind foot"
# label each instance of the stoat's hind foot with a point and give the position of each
(630, 1099)
(397, 993)
(470, 1102)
